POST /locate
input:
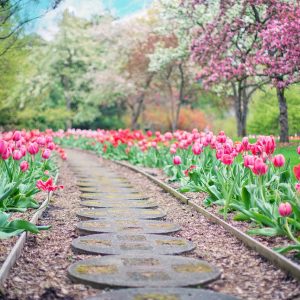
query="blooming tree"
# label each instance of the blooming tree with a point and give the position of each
(279, 55)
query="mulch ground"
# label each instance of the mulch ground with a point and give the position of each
(40, 273)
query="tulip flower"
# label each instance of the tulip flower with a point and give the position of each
(6, 154)
(16, 136)
(285, 209)
(297, 172)
(278, 161)
(259, 167)
(227, 159)
(24, 166)
(249, 161)
(298, 150)
(17, 155)
(33, 148)
(177, 160)
(297, 186)
(3, 146)
(48, 185)
(197, 149)
(46, 153)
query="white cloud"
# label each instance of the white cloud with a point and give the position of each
(48, 25)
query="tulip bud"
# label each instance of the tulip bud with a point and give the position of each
(24, 166)
(46, 153)
(177, 160)
(285, 209)
(278, 160)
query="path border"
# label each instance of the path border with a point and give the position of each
(17, 249)
(275, 258)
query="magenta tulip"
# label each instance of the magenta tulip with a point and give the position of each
(33, 148)
(278, 161)
(285, 209)
(24, 166)
(46, 153)
(177, 160)
(17, 155)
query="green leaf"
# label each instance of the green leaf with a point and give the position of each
(287, 248)
(265, 231)
(246, 197)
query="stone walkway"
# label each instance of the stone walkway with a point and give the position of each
(124, 225)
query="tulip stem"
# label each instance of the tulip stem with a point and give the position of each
(290, 234)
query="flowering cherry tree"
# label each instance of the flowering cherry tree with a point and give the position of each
(279, 55)
(247, 44)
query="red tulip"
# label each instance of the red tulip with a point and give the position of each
(259, 167)
(297, 172)
(285, 209)
(48, 185)
(278, 161)
(177, 160)
(24, 166)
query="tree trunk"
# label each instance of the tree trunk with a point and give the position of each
(137, 109)
(241, 108)
(283, 116)
(68, 106)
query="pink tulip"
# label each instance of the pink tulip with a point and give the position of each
(297, 186)
(259, 167)
(17, 155)
(24, 166)
(278, 161)
(249, 161)
(177, 160)
(7, 153)
(298, 150)
(3, 146)
(46, 153)
(16, 136)
(227, 159)
(285, 209)
(197, 149)
(33, 148)
(41, 141)
(173, 150)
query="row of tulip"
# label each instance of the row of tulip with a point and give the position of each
(245, 180)
(26, 166)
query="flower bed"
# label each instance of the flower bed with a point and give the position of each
(26, 161)
(242, 180)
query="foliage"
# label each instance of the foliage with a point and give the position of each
(264, 112)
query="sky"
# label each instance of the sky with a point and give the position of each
(47, 25)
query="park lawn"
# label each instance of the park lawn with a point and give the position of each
(290, 153)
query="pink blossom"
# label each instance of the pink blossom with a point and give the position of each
(285, 209)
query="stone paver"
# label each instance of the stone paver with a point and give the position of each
(120, 203)
(162, 294)
(98, 213)
(128, 226)
(128, 243)
(143, 271)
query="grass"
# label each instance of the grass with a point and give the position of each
(289, 152)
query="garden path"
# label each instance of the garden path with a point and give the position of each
(123, 229)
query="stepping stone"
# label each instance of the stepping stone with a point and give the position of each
(108, 189)
(162, 294)
(120, 203)
(112, 244)
(98, 213)
(92, 184)
(128, 226)
(142, 271)
(111, 196)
